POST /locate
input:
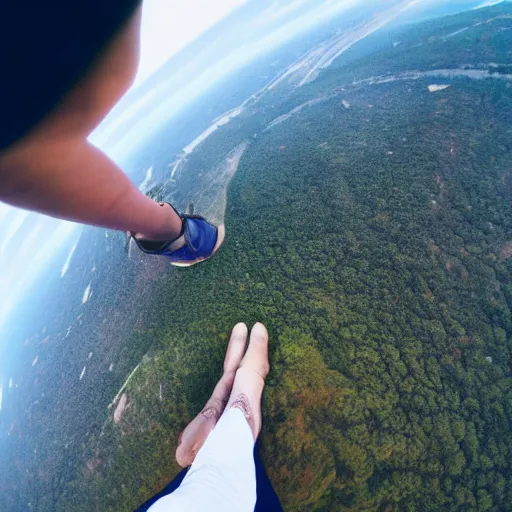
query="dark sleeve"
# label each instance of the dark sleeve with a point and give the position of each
(46, 47)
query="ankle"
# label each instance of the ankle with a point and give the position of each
(250, 410)
(169, 226)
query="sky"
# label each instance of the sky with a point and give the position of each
(168, 26)
(276, 22)
(489, 3)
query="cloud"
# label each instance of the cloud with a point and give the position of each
(245, 39)
(28, 250)
(168, 26)
(489, 4)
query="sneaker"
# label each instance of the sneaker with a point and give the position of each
(198, 242)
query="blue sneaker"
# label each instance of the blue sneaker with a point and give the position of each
(198, 242)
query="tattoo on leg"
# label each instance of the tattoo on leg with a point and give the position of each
(210, 413)
(242, 403)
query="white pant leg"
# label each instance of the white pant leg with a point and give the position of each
(222, 477)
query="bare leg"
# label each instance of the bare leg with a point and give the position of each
(222, 475)
(240, 386)
(54, 170)
(196, 432)
(250, 379)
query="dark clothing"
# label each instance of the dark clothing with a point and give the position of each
(46, 47)
(266, 497)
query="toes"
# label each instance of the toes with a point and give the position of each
(236, 347)
(256, 357)
(259, 333)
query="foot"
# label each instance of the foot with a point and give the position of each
(196, 432)
(198, 242)
(250, 379)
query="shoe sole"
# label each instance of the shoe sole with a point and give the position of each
(221, 234)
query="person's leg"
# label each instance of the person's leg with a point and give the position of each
(193, 437)
(197, 431)
(223, 475)
(54, 170)
(82, 184)
(250, 379)
(267, 499)
(170, 488)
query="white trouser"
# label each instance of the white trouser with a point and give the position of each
(222, 477)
